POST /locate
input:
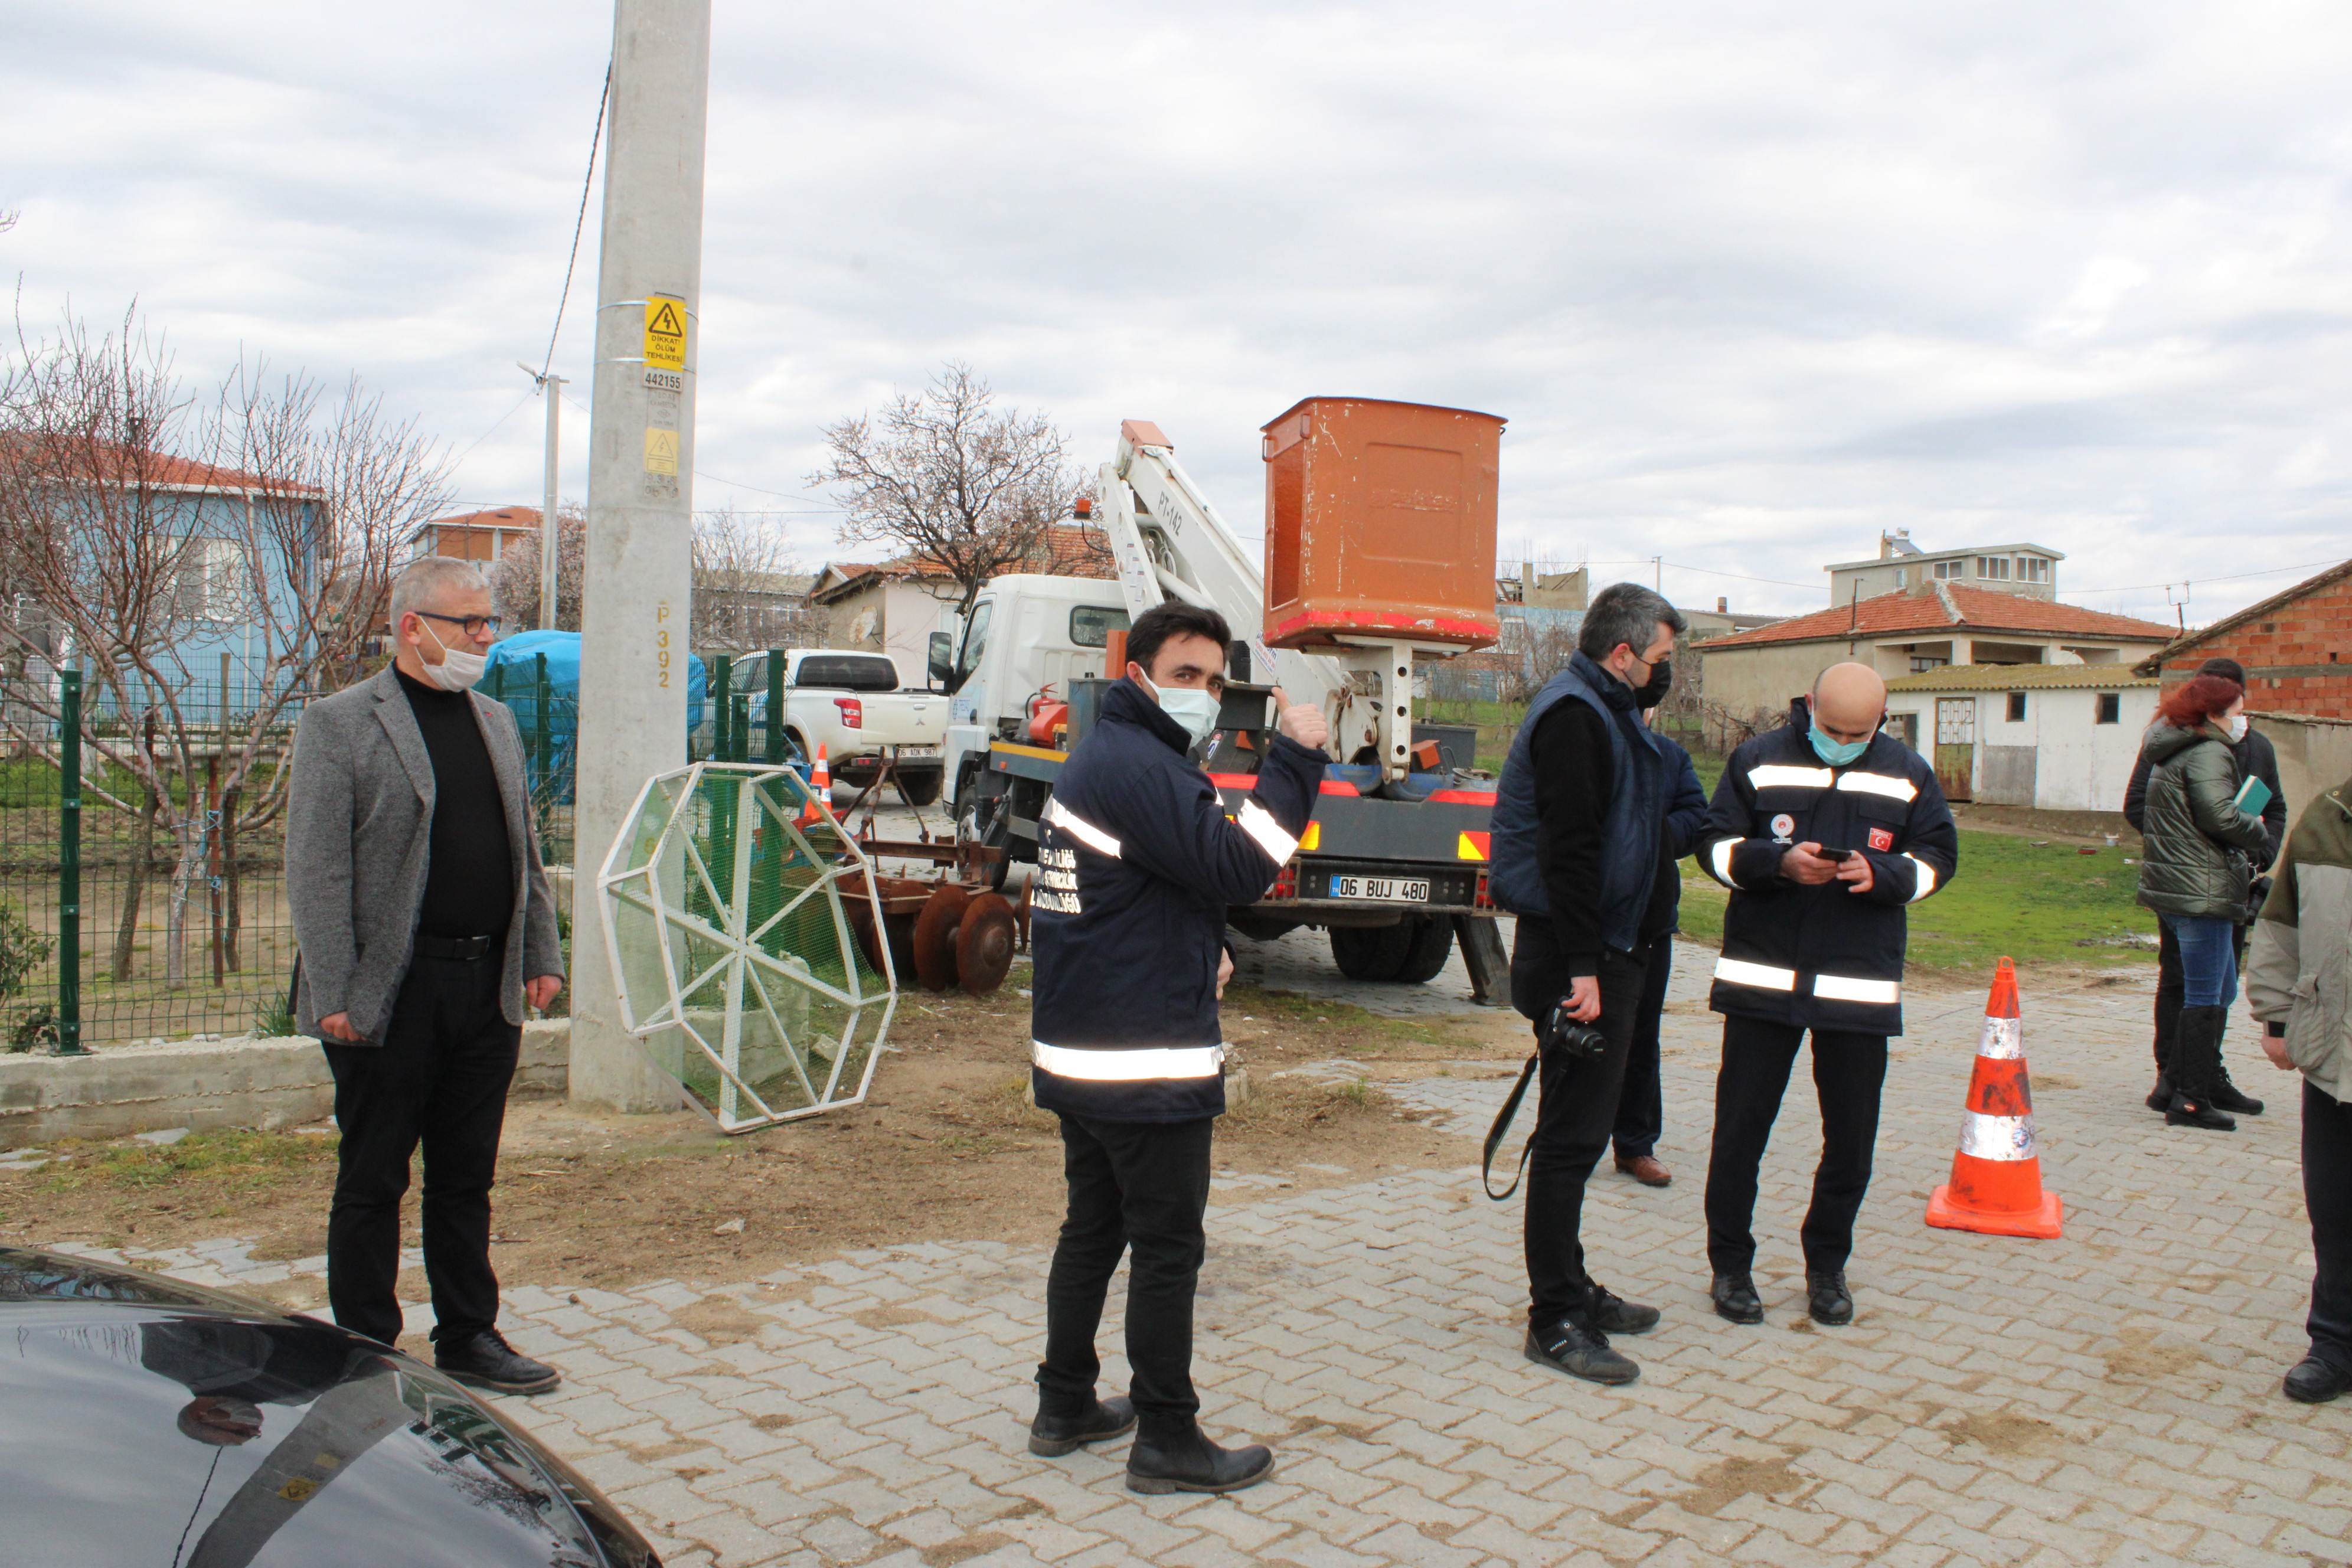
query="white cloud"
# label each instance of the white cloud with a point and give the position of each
(1751, 281)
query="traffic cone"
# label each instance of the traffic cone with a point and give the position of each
(820, 801)
(1996, 1185)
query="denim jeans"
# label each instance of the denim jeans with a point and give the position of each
(2209, 959)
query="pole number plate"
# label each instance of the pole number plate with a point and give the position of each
(1380, 889)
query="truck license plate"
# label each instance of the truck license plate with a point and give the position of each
(1382, 890)
(918, 753)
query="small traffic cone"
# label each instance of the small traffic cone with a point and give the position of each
(820, 801)
(1996, 1185)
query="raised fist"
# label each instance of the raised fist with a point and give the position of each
(1302, 722)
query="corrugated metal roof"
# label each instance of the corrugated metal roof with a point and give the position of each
(2023, 678)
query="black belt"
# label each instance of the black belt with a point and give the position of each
(463, 949)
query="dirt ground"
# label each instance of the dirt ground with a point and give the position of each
(945, 1148)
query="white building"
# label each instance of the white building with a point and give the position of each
(2028, 569)
(2059, 737)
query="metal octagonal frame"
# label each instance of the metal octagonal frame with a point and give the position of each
(743, 805)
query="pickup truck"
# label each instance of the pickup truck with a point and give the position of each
(846, 702)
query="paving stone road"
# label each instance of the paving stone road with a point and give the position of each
(2111, 1397)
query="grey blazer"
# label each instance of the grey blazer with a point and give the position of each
(359, 822)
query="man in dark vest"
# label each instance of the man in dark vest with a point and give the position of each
(1581, 856)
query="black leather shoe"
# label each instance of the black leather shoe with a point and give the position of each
(1615, 1315)
(486, 1361)
(2227, 1096)
(2186, 1112)
(1581, 1350)
(2160, 1099)
(1828, 1300)
(1051, 1437)
(1189, 1462)
(2315, 1382)
(1735, 1299)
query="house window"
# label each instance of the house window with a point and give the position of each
(212, 585)
(2017, 707)
(2111, 707)
(2032, 569)
(1920, 662)
(1992, 568)
(1951, 568)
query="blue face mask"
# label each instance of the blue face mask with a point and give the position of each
(1837, 753)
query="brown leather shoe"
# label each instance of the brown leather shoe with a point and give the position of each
(1645, 1169)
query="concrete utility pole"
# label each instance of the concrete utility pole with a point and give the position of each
(636, 599)
(550, 538)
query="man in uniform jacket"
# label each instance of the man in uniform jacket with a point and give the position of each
(424, 923)
(1137, 864)
(2257, 759)
(1581, 855)
(1825, 831)
(2299, 988)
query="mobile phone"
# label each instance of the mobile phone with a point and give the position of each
(1828, 854)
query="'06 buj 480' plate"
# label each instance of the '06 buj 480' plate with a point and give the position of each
(1380, 889)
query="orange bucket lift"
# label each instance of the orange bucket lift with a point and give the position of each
(1996, 1185)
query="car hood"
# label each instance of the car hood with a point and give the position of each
(144, 1420)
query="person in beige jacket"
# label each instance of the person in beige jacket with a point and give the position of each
(2299, 988)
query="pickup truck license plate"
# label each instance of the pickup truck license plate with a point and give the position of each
(1382, 890)
(918, 753)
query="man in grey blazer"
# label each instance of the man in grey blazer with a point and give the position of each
(425, 923)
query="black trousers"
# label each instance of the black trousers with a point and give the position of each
(1139, 1185)
(2327, 1193)
(2172, 985)
(1849, 1070)
(439, 1079)
(1575, 1111)
(1641, 1103)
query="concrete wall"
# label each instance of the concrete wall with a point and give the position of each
(1750, 679)
(2314, 754)
(268, 1084)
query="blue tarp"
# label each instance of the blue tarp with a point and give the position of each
(513, 678)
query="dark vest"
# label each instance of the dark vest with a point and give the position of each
(1636, 817)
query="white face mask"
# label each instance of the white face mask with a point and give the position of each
(458, 670)
(1195, 710)
(2234, 726)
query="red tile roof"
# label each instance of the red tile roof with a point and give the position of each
(1068, 549)
(163, 471)
(488, 517)
(1969, 609)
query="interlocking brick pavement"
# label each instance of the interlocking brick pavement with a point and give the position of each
(2111, 1397)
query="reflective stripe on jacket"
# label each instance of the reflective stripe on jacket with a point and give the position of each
(1137, 864)
(1822, 957)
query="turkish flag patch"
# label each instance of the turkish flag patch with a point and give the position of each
(1881, 839)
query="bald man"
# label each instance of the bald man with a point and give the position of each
(1825, 831)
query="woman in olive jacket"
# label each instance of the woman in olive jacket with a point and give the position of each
(2198, 873)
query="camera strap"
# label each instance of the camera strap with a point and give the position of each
(1502, 1127)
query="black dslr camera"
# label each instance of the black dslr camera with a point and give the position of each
(1563, 1035)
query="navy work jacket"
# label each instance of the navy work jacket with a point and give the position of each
(1137, 864)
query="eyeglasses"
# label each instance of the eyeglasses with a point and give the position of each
(474, 626)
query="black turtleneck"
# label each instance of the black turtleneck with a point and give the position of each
(469, 884)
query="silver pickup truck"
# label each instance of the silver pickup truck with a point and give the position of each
(851, 704)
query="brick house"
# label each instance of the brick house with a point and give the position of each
(2296, 647)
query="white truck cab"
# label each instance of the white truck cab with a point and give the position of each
(1027, 635)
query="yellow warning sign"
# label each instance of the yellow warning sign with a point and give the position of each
(665, 332)
(661, 452)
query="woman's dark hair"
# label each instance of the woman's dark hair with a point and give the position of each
(1158, 624)
(2197, 699)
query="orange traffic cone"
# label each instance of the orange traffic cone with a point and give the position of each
(1996, 1185)
(820, 801)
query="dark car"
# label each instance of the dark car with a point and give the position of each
(145, 1421)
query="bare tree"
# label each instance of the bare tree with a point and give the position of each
(949, 479)
(514, 577)
(153, 533)
(748, 589)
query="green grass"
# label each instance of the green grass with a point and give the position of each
(234, 1157)
(1345, 1025)
(2011, 898)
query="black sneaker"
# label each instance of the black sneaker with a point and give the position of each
(1828, 1300)
(1735, 1299)
(1612, 1314)
(1050, 1437)
(1162, 1462)
(1579, 1349)
(2315, 1382)
(486, 1361)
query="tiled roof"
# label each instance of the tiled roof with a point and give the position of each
(2023, 678)
(2252, 612)
(1068, 550)
(1942, 610)
(163, 471)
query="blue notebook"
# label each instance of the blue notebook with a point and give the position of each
(2252, 795)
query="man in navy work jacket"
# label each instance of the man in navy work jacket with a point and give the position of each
(1824, 831)
(1641, 1102)
(1581, 856)
(1137, 863)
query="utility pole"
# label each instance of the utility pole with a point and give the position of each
(636, 597)
(551, 539)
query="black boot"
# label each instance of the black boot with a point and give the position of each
(2224, 1094)
(1735, 1299)
(1186, 1461)
(1827, 1299)
(486, 1361)
(2195, 1064)
(2167, 1033)
(2160, 1097)
(1051, 1435)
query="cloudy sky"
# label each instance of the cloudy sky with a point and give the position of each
(1751, 281)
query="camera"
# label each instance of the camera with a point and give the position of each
(1565, 1037)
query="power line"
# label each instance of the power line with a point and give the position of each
(2232, 577)
(579, 224)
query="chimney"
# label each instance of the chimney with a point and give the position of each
(1722, 606)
